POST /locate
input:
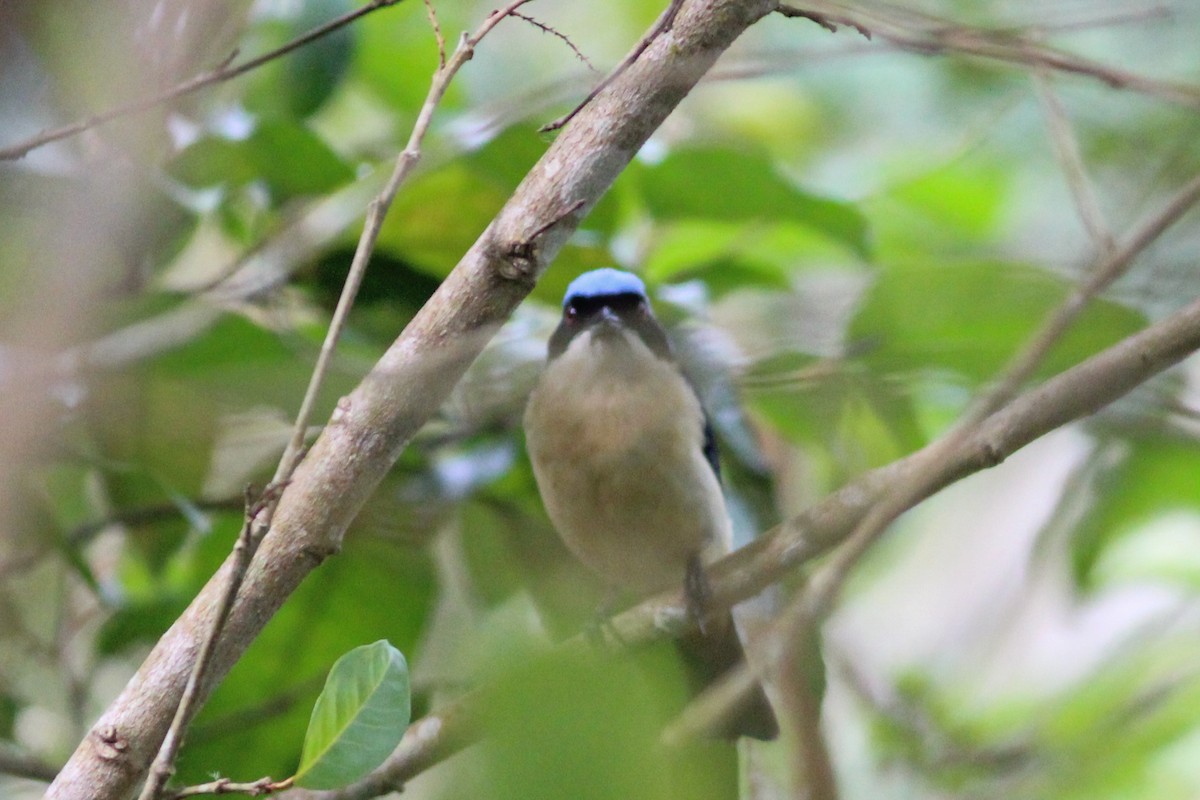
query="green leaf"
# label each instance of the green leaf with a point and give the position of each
(853, 420)
(210, 161)
(1155, 482)
(288, 157)
(358, 719)
(293, 160)
(733, 186)
(584, 727)
(298, 85)
(396, 52)
(971, 318)
(962, 199)
(432, 236)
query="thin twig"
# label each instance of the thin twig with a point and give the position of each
(539, 230)
(1111, 267)
(243, 552)
(258, 788)
(927, 35)
(437, 33)
(376, 211)
(660, 27)
(800, 710)
(544, 28)
(223, 72)
(1066, 150)
(826, 21)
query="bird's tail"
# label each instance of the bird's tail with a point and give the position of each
(709, 656)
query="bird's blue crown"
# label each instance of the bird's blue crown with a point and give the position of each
(604, 282)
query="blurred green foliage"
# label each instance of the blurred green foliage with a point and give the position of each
(848, 241)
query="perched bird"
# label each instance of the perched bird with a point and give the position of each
(626, 464)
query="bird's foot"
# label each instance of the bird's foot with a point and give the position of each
(697, 592)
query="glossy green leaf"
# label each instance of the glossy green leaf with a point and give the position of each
(731, 185)
(358, 719)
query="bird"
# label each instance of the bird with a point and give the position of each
(625, 460)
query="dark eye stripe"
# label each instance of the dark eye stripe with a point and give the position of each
(622, 304)
(579, 313)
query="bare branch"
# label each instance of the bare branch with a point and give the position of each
(243, 552)
(927, 35)
(1066, 149)
(800, 710)
(664, 23)
(826, 21)
(223, 72)
(258, 788)
(544, 28)
(437, 33)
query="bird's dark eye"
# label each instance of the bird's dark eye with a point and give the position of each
(571, 312)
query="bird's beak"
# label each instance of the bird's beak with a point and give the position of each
(608, 324)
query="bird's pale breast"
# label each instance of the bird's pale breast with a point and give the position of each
(615, 435)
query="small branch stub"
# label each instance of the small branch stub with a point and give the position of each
(519, 260)
(826, 21)
(112, 745)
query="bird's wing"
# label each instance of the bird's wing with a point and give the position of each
(711, 454)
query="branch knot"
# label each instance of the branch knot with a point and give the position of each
(111, 746)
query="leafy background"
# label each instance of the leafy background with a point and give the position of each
(848, 241)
